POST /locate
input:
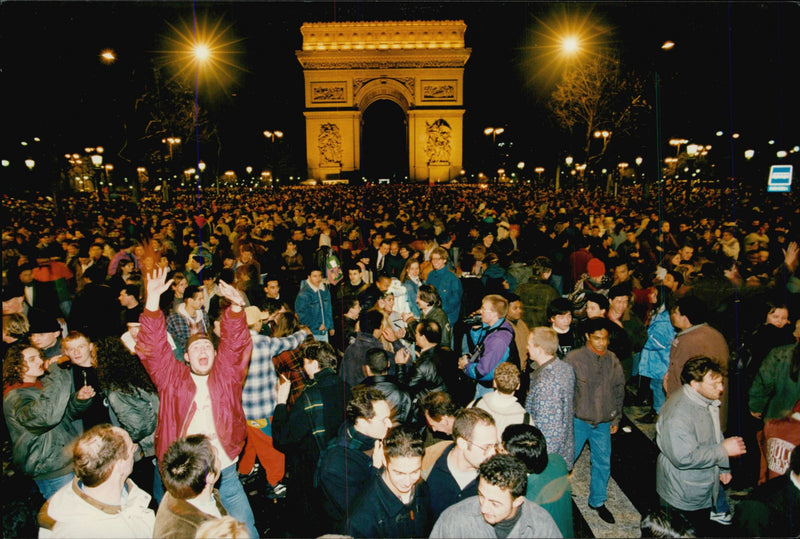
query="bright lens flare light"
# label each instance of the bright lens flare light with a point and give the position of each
(203, 52)
(565, 37)
(570, 45)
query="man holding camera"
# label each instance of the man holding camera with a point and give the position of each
(490, 343)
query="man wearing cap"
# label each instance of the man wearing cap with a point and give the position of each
(45, 333)
(204, 395)
(260, 396)
(14, 299)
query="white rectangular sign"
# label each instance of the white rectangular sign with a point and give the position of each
(780, 179)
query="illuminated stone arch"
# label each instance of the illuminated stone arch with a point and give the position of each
(419, 65)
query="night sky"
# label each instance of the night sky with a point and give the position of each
(735, 65)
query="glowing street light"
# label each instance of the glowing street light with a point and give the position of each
(494, 131)
(272, 135)
(107, 56)
(201, 52)
(668, 45)
(30, 163)
(678, 142)
(638, 161)
(5, 162)
(569, 160)
(570, 45)
(781, 154)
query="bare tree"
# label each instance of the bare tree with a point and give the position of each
(597, 95)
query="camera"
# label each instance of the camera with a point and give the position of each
(473, 320)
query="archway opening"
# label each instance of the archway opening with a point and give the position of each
(384, 141)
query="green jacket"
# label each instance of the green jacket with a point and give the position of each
(773, 392)
(137, 413)
(40, 422)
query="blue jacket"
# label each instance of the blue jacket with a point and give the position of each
(313, 307)
(495, 351)
(411, 295)
(450, 290)
(655, 354)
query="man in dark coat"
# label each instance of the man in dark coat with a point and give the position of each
(397, 502)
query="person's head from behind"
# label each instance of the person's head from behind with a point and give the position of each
(502, 483)
(542, 344)
(403, 450)
(528, 444)
(103, 452)
(428, 333)
(559, 314)
(189, 466)
(377, 362)
(225, 527)
(689, 311)
(663, 524)
(439, 410)
(704, 376)
(506, 378)
(475, 435)
(317, 356)
(370, 322)
(369, 412)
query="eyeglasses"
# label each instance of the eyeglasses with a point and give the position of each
(436, 258)
(486, 447)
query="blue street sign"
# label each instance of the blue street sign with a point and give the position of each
(780, 179)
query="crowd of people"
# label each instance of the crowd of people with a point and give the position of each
(400, 361)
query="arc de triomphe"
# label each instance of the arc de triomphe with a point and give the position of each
(419, 65)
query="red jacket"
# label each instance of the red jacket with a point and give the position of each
(176, 388)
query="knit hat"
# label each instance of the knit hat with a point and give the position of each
(595, 268)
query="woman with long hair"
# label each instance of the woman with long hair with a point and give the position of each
(410, 278)
(654, 360)
(41, 410)
(133, 399)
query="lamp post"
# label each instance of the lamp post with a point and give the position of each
(272, 135)
(539, 170)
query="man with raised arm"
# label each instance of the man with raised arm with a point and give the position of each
(204, 394)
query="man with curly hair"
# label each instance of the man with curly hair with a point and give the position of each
(500, 508)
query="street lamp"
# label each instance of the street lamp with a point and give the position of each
(678, 142)
(273, 134)
(107, 56)
(30, 163)
(494, 131)
(569, 160)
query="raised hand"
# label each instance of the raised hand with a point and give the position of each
(157, 284)
(232, 294)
